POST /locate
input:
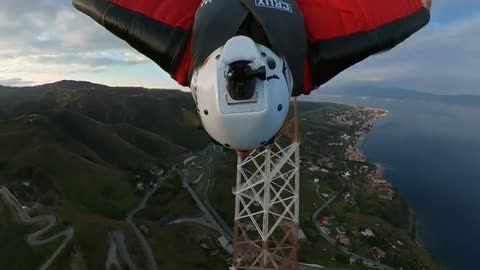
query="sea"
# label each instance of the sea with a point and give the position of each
(431, 155)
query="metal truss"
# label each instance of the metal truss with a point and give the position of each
(267, 204)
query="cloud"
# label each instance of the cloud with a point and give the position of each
(51, 39)
(46, 40)
(436, 59)
(15, 82)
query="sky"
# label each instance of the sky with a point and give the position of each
(44, 41)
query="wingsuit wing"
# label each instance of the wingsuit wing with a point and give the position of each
(342, 33)
(159, 29)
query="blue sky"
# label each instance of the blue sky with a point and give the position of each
(48, 40)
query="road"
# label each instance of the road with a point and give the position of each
(346, 251)
(326, 204)
(210, 217)
(200, 220)
(34, 239)
(202, 160)
(119, 241)
(112, 258)
(147, 251)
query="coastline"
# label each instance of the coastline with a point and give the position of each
(380, 171)
(360, 140)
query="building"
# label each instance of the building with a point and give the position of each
(385, 193)
(323, 160)
(384, 189)
(346, 175)
(341, 230)
(225, 244)
(343, 241)
(364, 169)
(378, 254)
(355, 260)
(26, 183)
(325, 220)
(367, 233)
(325, 230)
(330, 165)
(377, 182)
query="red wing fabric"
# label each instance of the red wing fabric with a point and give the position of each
(159, 29)
(342, 33)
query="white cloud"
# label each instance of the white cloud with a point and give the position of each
(47, 39)
(441, 60)
(15, 82)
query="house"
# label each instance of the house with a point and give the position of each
(26, 183)
(325, 195)
(341, 230)
(378, 254)
(367, 233)
(377, 182)
(323, 160)
(140, 186)
(325, 230)
(316, 180)
(323, 170)
(385, 193)
(330, 165)
(346, 175)
(343, 241)
(325, 220)
(225, 244)
(355, 260)
(364, 168)
(314, 168)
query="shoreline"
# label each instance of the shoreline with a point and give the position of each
(380, 171)
(360, 140)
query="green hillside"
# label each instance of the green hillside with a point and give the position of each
(81, 148)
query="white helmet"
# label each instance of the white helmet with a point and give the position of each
(242, 93)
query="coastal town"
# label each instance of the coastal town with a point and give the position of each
(363, 220)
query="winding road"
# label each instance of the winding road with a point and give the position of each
(147, 251)
(34, 239)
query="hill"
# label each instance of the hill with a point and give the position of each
(87, 152)
(81, 148)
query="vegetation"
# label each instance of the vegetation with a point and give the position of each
(170, 202)
(77, 147)
(81, 149)
(13, 234)
(179, 247)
